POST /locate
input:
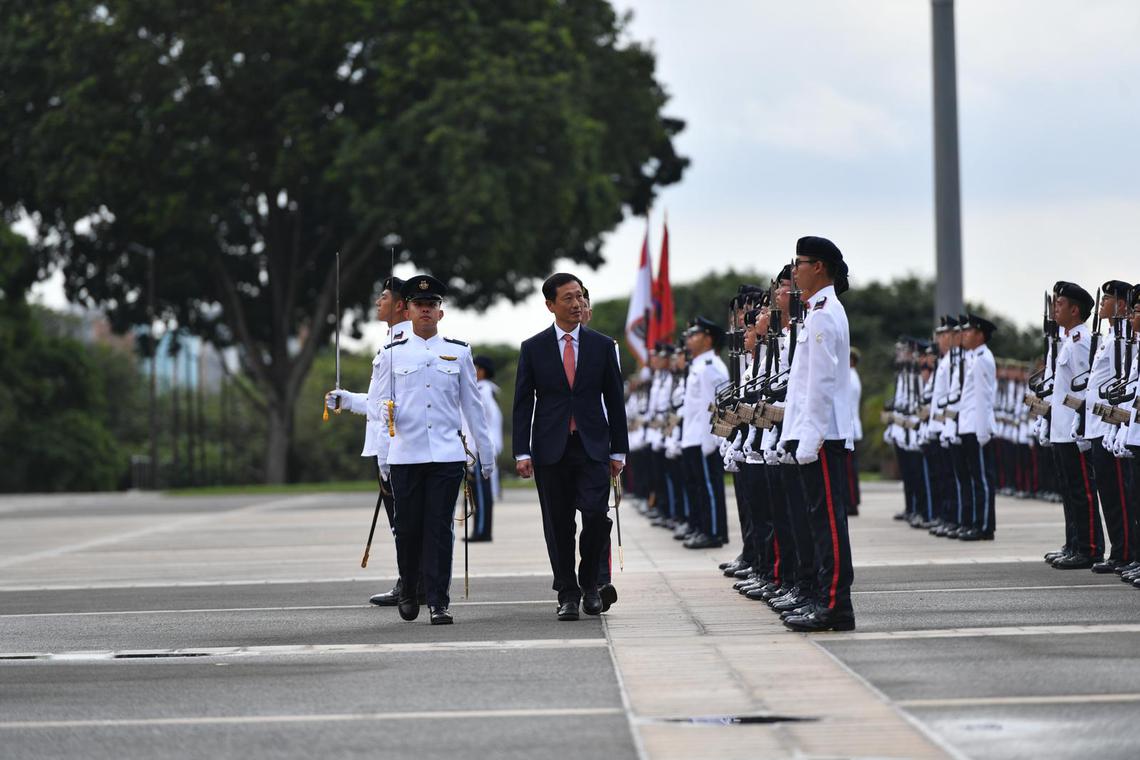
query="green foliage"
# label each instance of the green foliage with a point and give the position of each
(56, 431)
(242, 144)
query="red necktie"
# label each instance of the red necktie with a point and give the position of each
(568, 365)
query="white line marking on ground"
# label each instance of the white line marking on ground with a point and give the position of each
(159, 527)
(112, 613)
(1063, 699)
(328, 718)
(953, 633)
(992, 588)
(307, 649)
(378, 579)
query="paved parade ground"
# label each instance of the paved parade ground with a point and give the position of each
(142, 625)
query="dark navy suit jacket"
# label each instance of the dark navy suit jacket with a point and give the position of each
(541, 389)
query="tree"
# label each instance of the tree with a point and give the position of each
(242, 144)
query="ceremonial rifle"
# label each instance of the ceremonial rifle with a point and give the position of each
(1081, 381)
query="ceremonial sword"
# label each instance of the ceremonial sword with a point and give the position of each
(336, 400)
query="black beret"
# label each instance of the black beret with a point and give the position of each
(1134, 296)
(1074, 293)
(1116, 289)
(424, 287)
(841, 283)
(785, 273)
(750, 317)
(394, 284)
(819, 248)
(978, 322)
(486, 364)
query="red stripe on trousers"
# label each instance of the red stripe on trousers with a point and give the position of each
(1089, 498)
(851, 475)
(1123, 505)
(834, 531)
(776, 564)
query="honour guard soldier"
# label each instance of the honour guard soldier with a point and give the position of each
(704, 468)
(1105, 366)
(484, 490)
(818, 430)
(393, 309)
(976, 427)
(433, 388)
(1084, 544)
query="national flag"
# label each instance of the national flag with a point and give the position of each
(665, 323)
(637, 320)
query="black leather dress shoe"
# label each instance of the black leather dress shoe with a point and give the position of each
(900, 516)
(681, 532)
(724, 565)
(801, 611)
(388, 598)
(477, 539)
(568, 611)
(440, 616)
(743, 573)
(976, 535)
(1108, 566)
(409, 609)
(592, 602)
(703, 542)
(609, 596)
(789, 603)
(822, 620)
(1074, 562)
(1051, 557)
(1122, 569)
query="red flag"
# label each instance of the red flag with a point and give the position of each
(665, 322)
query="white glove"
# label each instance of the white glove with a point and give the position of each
(982, 441)
(771, 457)
(783, 455)
(807, 455)
(1043, 432)
(1083, 445)
(1075, 429)
(723, 446)
(730, 465)
(386, 471)
(1109, 440)
(488, 470)
(333, 396)
(1119, 444)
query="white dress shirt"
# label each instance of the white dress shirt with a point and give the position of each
(435, 390)
(1103, 371)
(819, 393)
(976, 409)
(706, 373)
(856, 404)
(371, 404)
(1072, 360)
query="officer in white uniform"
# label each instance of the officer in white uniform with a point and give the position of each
(390, 308)
(1111, 480)
(484, 490)
(704, 468)
(1084, 538)
(818, 430)
(976, 428)
(435, 387)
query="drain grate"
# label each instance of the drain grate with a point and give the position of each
(156, 655)
(737, 720)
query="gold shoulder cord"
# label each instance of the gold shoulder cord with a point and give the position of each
(468, 511)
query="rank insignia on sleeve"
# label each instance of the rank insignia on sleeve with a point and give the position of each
(398, 335)
(1076, 337)
(819, 304)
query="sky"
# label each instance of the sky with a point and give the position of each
(814, 118)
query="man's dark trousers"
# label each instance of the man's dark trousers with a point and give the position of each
(1112, 484)
(425, 537)
(1078, 492)
(575, 482)
(706, 473)
(827, 513)
(981, 467)
(795, 501)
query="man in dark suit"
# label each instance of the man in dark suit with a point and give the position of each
(567, 441)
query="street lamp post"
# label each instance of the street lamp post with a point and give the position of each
(947, 194)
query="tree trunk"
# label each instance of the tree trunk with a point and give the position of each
(279, 432)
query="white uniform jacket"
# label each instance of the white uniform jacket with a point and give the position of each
(819, 387)
(435, 388)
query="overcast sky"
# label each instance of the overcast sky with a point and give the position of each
(814, 117)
